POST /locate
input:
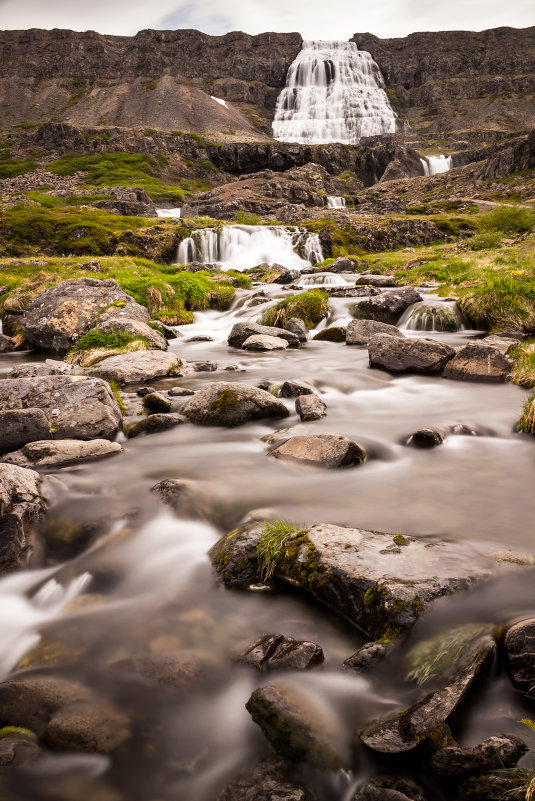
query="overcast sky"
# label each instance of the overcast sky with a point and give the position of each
(314, 19)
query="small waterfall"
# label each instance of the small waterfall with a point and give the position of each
(335, 202)
(240, 247)
(323, 279)
(334, 93)
(436, 164)
(168, 212)
(434, 315)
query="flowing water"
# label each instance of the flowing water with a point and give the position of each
(146, 585)
(336, 202)
(334, 93)
(433, 165)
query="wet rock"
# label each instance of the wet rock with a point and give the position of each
(232, 404)
(296, 326)
(142, 391)
(286, 277)
(409, 355)
(366, 657)
(136, 367)
(19, 426)
(376, 280)
(136, 329)
(74, 406)
(6, 343)
(22, 503)
(180, 392)
(495, 753)
(359, 332)
(17, 749)
(296, 728)
(166, 331)
(264, 342)
(389, 788)
(154, 424)
(335, 333)
(204, 367)
(310, 407)
(387, 307)
(56, 319)
(351, 291)
(35, 369)
(292, 389)
(266, 779)
(327, 451)
(425, 721)
(65, 715)
(378, 582)
(426, 438)
(478, 362)
(61, 453)
(187, 498)
(340, 265)
(520, 651)
(277, 652)
(177, 673)
(242, 331)
(155, 402)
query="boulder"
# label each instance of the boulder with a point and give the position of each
(74, 406)
(35, 369)
(366, 657)
(154, 424)
(264, 342)
(125, 312)
(18, 749)
(478, 362)
(351, 291)
(296, 727)
(136, 329)
(292, 389)
(19, 426)
(426, 438)
(296, 326)
(379, 582)
(232, 404)
(58, 318)
(187, 498)
(321, 450)
(242, 331)
(204, 367)
(154, 402)
(376, 280)
(340, 265)
(179, 392)
(65, 715)
(496, 753)
(408, 355)
(22, 502)
(6, 343)
(136, 367)
(310, 407)
(277, 652)
(520, 652)
(61, 453)
(266, 779)
(388, 306)
(335, 333)
(504, 344)
(389, 788)
(359, 332)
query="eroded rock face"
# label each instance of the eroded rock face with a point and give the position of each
(232, 404)
(136, 367)
(402, 355)
(277, 652)
(266, 779)
(327, 451)
(61, 453)
(520, 650)
(22, 503)
(479, 362)
(359, 332)
(495, 753)
(242, 331)
(74, 406)
(60, 316)
(387, 307)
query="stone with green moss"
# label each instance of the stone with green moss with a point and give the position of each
(232, 404)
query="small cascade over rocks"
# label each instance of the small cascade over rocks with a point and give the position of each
(432, 315)
(171, 213)
(334, 93)
(334, 202)
(240, 247)
(322, 279)
(434, 165)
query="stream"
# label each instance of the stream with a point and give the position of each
(147, 586)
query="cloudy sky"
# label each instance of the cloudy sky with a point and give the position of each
(314, 19)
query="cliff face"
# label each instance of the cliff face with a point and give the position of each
(459, 80)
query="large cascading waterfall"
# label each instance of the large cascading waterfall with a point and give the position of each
(334, 93)
(240, 247)
(434, 165)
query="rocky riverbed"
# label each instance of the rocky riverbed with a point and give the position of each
(250, 561)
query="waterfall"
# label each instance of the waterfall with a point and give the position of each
(334, 202)
(436, 164)
(168, 212)
(334, 93)
(432, 315)
(240, 247)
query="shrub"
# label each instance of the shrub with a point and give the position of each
(507, 220)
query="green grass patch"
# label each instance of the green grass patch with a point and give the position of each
(116, 389)
(310, 307)
(500, 299)
(523, 372)
(271, 545)
(247, 218)
(97, 339)
(488, 240)
(9, 167)
(527, 420)
(507, 220)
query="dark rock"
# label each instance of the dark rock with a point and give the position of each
(340, 265)
(335, 333)
(266, 779)
(155, 402)
(60, 316)
(287, 277)
(166, 330)
(17, 750)
(292, 389)
(295, 728)
(520, 650)
(187, 498)
(204, 367)
(366, 657)
(6, 343)
(327, 451)
(296, 326)
(491, 788)
(277, 652)
(387, 307)
(22, 503)
(496, 753)
(478, 362)
(426, 438)
(154, 424)
(200, 338)
(359, 332)
(264, 342)
(232, 404)
(382, 281)
(142, 391)
(401, 355)
(135, 367)
(20, 426)
(310, 407)
(74, 406)
(61, 453)
(351, 291)
(242, 331)
(389, 788)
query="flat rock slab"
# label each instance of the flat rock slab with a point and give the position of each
(136, 367)
(242, 331)
(61, 453)
(397, 355)
(376, 280)
(321, 450)
(478, 362)
(75, 406)
(48, 367)
(387, 307)
(232, 404)
(379, 582)
(264, 342)
(359, 332)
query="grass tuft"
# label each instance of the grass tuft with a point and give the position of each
(271, 546)
(310, 307)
